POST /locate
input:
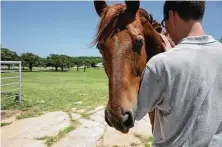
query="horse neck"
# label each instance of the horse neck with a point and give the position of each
(153, 41)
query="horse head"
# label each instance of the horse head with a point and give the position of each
(127, 37)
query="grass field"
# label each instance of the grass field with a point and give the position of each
(44, 91)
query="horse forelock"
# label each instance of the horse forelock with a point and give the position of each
(110, 18)
(108, 22)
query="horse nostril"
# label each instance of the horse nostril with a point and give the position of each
(128, 120)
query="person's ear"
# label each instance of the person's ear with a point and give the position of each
(177, 17)
(172, 18)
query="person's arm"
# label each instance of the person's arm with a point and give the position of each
(150, 93)
(152, 86)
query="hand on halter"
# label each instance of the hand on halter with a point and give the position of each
(167, 42)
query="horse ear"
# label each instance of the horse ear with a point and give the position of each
(158, 29)
(157, 26)
(99, 6)
(132, 6)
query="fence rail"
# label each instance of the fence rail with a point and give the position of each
(7, 91)
(10, 84)
(19, 77)
(9, 77)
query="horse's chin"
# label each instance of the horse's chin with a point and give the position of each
(123, 130)
(121, 122)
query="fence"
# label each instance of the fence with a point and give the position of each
(8, 78)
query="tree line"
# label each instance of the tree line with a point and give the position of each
(58, 61)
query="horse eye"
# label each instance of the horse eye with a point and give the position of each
(98, 46)
(137, 73)
(139, 41)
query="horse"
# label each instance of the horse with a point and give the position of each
(127, 38)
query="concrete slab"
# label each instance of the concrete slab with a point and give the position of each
(23, 132)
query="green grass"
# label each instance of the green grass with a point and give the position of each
(148, 141)
(44, 91)
(84, 115)
(5, 124)
(50, 140)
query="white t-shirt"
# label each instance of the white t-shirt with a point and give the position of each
(184, 86)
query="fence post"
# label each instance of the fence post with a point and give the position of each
(20, 83)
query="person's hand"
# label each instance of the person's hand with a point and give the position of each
(167, 42)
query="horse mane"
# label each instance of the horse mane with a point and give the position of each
(110, 18)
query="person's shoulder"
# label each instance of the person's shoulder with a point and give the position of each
(165, 59)
(156, 62)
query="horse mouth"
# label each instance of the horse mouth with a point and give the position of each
(122, 128)
(123, 125)
(125, 130)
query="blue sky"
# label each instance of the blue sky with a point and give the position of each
(69, 27)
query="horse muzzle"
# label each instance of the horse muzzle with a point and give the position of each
(121, 123)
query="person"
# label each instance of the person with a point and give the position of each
(184, 84)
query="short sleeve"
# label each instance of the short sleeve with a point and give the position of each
(150, 93)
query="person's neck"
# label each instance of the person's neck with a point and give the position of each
(196, 29)
(191, 28)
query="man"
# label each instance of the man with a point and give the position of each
(184, 84)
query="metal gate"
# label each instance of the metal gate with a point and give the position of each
(11, 80)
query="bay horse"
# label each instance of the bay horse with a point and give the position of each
(127, 37)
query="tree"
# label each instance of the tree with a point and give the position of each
(69, 63)
(30, 60)
(86, 63)
(93, 63)
(8, 55)
(78, 61)
(53, 61)
(62, 61)
(220, 40)
(65, 62)
(95, 60)
(41, 62)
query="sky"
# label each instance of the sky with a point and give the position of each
(69, 27)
